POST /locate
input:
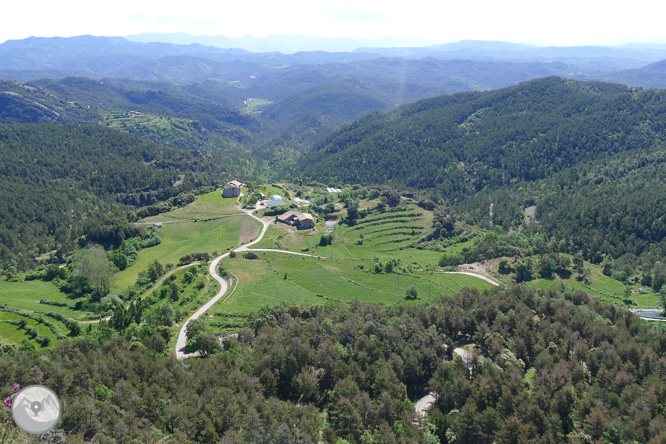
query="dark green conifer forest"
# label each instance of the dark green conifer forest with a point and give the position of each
(550, 367)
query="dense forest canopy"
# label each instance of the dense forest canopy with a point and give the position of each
(54, 177)
(551, 367)
(464, 143)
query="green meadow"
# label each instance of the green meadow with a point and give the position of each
(26, 296)
(278, 277)
(14, 334)
(605, 288)
(210, 224)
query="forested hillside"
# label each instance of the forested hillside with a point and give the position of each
(587, 154)
(549, 367)
(54, 178)
(463, 143)
(82, 100)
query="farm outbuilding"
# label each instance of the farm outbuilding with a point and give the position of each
(297, 219)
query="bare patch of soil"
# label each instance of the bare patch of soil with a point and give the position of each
(530, 215)
(485, 268)
(249, 231)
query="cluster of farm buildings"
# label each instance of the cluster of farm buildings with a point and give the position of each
(294, 218)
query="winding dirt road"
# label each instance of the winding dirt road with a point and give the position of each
(224, 286)
(182, 336)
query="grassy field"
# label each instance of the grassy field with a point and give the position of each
(26, 296)
(209, 224)
(603, 287)
(285, 237)
(209, 206)
(13, 334)
(316, 281)
(253, 105)
(168, 130)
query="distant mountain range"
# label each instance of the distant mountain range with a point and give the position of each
(300, 91)
(286, 44)
(617, 57)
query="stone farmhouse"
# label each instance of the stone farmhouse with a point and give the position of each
(232, 189)
(297, 219)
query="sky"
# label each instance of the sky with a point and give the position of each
(561, 23)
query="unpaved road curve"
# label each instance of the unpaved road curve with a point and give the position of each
(476, 275)
(182, 335)
(423, 405)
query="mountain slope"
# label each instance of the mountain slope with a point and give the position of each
(177, 121)
(54, 178)
(649, 76)
(463, 143)
(588, 155)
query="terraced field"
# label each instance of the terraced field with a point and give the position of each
(390, 235)
(27, 296)
(35, 327)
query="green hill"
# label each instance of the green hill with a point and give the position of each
(588, 155)
(466, 142)
(57, 183)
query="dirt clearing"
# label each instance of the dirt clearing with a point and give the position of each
(249, 231)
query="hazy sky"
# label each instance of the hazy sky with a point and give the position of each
(565, 22)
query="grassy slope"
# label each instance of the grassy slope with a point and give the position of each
(209, 224)
(605, 288)
(385, 236)
(13, 334)
(26, 296)
(316, 281)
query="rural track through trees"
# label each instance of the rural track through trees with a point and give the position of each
(147, 293)
(212, 269)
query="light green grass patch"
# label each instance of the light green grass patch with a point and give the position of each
(26, 296)
(182, 238)
(207, 206)
(209, 224)
(603, 287)
(285, 237)
(13, 334)
(315, 281)
(168, 130)
(253, 105)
